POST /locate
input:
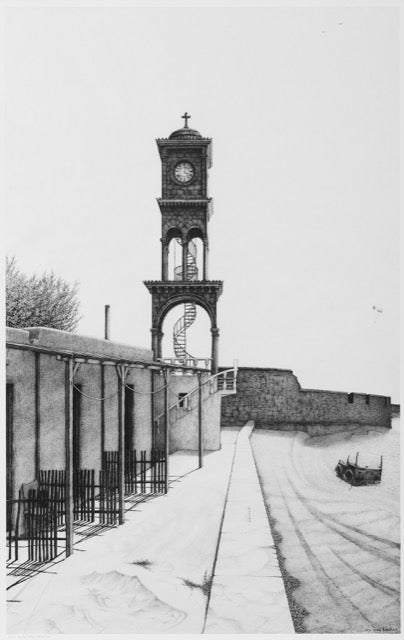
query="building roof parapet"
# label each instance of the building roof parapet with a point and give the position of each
(17, 335)
(57, 339)
(86, 357)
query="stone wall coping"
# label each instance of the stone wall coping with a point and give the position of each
(260, 369)
(304, 390)
(358, 394)
(307, 422)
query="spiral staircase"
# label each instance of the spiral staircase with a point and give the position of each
(181, 326)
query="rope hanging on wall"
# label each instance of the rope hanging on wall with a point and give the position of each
(94, 397)
(144, 393)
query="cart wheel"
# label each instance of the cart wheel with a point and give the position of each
(371, 477)
(338, 470)
(349, 476)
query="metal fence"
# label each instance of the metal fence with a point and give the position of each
(35, 535)
(143, 474)
(36, 520)
(54, 482)
(84, 491)
(108, 498)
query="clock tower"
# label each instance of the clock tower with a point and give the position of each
(185, 212)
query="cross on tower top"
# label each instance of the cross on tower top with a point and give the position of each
(186, 118)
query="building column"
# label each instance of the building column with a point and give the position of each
(215, 349)
(184, 259)
(122, 371)
(160, 344)
(200, 422)
(154, 331)
(205, 260)
(69, 373)
(166, 374)
(102, 406)
(164, 260)
(37, 414)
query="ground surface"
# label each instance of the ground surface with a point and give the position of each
(150, 575)
(341, 543)
(201, 559)
(154, 574)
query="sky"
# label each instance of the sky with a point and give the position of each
(302, 105)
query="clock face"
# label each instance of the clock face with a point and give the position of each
(184, 172)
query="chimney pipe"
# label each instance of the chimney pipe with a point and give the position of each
(106, 325)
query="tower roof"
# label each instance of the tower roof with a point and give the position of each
(185, 134)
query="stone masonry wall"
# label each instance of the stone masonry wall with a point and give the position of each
(274, 399)
(195, 188)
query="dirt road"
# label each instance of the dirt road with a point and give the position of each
(341, 543)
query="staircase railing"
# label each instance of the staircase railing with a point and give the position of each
(200, 363)
(181, 326)
(223, 381)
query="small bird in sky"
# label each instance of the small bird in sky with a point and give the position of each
(378, 310)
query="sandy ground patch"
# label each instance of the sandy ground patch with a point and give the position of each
(342, 544)
(148, 576)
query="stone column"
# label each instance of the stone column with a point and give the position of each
(155, 332)
(215, 349)
(160, 335)
(184, 259)
(205, 260)
(164, 260)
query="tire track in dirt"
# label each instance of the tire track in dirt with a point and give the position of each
(337, 596)
(372, 536)
(333, 589)
(384, 541)
(390, 591)
(324, 519)
(343, 613)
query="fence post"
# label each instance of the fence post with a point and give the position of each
(200, 432)
(68, 454)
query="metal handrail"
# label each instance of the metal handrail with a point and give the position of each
(184, 363)
(181, 326)
(184, 399)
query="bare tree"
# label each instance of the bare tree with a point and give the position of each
(40, 301)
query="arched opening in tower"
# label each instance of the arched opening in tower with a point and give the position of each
(195, 259)
(187, 334)
(196, 254)
(175, 258)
